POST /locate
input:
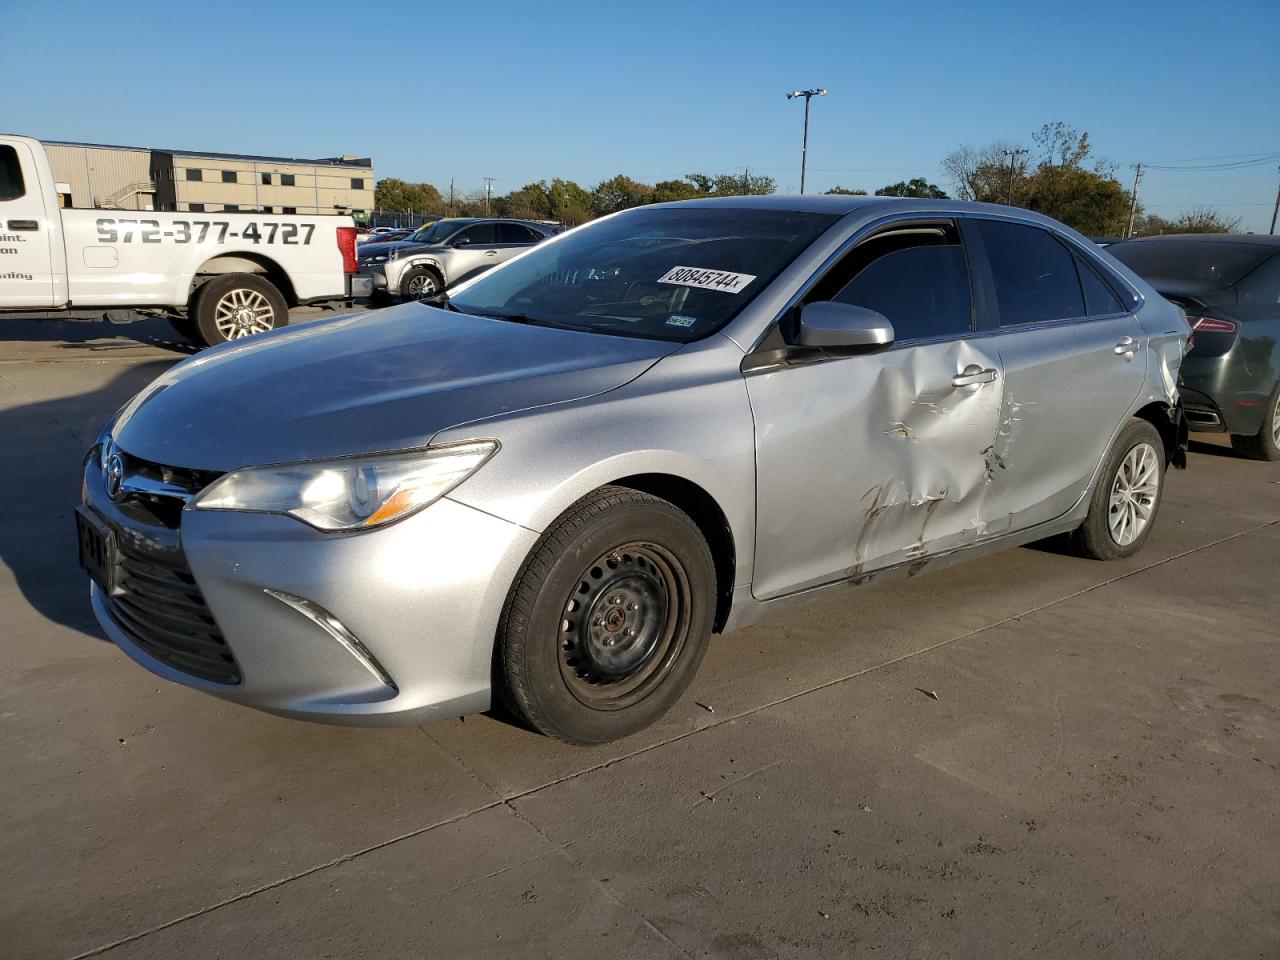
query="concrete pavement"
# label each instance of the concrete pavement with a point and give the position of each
(1096, 776)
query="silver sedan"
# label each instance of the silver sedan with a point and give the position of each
(556, 485)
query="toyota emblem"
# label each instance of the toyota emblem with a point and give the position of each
(115, 475)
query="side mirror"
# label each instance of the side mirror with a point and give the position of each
(460, 242)
(843, 326)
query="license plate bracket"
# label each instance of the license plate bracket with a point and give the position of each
(97, 549)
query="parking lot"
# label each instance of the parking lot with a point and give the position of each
(1031, 754)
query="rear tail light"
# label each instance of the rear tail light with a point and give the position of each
(347, 247)
(1212, 325)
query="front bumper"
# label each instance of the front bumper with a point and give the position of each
(376, 276)
(421, 597)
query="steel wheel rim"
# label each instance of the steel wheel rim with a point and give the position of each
(1134, 492)
(636, 587)
(242, 313)
(421, 286)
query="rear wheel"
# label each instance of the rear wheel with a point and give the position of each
(1265, 444)
(238, 305)
(608, 620)
(1123, 508)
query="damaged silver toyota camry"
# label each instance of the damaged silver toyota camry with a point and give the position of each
(554, 485)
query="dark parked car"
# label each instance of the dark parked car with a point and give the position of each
(1229, 286)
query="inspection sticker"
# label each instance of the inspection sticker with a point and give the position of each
(681, 320)
(721, 280)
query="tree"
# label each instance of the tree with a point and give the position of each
(569, 203)
(1059, 185)
(1204, 220)
(845, 191)
(530, 202)
(983, 173)
(667, 191)
(619, 193)
(393, 194)
(732, 184)
(918, 187)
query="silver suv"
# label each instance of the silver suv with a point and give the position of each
(444, 253)
(558, 481)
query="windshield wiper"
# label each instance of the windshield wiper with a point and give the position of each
(441, 300)
(537, 321)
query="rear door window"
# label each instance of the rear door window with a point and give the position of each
(516, 233)
(11, 185)
(1034, 274)
(917, 277)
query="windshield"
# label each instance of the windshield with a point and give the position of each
(436, 232)
(678, 273)
(1214, 261)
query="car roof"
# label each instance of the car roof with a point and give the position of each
(1254, 239)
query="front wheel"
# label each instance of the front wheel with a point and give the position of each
(1123, 508)
(238, 305)
(1265, 444)
(420, 283)
(608, 620)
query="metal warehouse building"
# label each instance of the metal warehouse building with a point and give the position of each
(135, 178)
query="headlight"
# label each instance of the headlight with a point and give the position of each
(352, 493)
(104, 442)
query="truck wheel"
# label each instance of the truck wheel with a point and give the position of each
(1265, 444)
(1123, 508)
(418, 283)
(608, 619)
(238, 305)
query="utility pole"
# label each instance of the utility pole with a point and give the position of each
(451, 196)
(488, 193)
(804, 146)
(746, 181)
(1275, 210)
(1013, 156)
(1133, 201)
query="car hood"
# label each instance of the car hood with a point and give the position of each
(378, 248)
(365, 383)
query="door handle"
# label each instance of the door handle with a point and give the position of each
(23, 225)
(974, 375)
(491, 253)
(1127, 346)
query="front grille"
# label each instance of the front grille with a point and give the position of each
(158, 604)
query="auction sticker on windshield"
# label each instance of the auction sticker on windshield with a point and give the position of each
(704, 279)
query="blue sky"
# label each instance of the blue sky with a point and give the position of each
(525, 91)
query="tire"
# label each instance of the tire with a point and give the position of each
(1136, 462)
(608, 619)
(1265, 444)
(238, 305)
(419, 283)
(185, 327)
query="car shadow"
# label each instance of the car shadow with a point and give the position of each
(1213, 450)
(41, 462)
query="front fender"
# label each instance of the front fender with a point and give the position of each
(686, 417)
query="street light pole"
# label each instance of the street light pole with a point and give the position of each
(804, 147)
(1275, 212)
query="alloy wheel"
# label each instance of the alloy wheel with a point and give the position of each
(422, 286)
(242, 313)
(1133, 494)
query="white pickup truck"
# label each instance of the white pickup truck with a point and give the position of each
(218, 276)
